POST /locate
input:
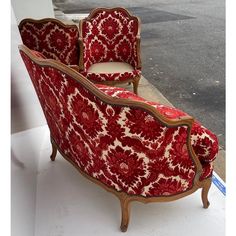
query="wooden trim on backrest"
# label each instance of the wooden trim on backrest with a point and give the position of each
(182, 121)
(96, 10)
(46, 20)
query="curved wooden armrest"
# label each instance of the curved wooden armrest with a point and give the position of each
(183, 118)
(139, 63)
(168, 121)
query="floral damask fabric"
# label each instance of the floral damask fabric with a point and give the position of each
(124, 147)
(204, 142)
(110, 35)
(52, 39)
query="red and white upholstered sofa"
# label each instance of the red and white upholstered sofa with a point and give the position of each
(136, 149)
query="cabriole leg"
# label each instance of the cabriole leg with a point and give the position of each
(205, 191)
(125, 212)
(135, 85)
(54, 151)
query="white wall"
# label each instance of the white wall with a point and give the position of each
(25, 114)
(32, 9)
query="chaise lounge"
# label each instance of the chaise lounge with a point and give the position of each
(136, 149)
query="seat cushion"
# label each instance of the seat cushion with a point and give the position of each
(204, 142)
(111, 71)
(110, 67)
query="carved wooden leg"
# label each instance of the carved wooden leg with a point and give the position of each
(54, 151)
(125, 211)
(205, 191)
(135, 85)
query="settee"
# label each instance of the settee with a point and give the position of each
(136, 149)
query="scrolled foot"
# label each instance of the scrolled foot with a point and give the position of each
(54, 152)
(123, 227)
(52, 157)
(206, 205)
(125, 213)
(205, 190)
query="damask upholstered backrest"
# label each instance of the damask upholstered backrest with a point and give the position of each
(110, 35)
(125, 144)
(52, 38)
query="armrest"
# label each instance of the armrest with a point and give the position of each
(139, 63)
(135, 59)
(204, 144)
(81, 57)
(168, 112)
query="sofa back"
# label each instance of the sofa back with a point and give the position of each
(110, 35)
(52, 38)
(127, 145)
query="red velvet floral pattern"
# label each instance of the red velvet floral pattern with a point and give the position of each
(204, 142)
(207, 170)
(52, 39)
(124, 147)
(119, 92)
(110, 35)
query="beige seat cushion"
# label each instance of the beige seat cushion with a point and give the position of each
(110, 67)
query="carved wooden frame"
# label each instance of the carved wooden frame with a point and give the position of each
(126, 199)
(45, 20)
(135, 80)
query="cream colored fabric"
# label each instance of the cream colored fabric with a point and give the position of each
(110, 67)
